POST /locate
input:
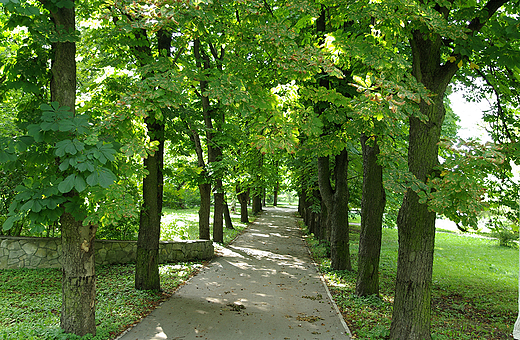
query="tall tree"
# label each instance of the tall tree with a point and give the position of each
(79, 280)
(336, 201)
(411, 316)
(372, 208)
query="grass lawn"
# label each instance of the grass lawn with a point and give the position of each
(475, 288)
(30, 299)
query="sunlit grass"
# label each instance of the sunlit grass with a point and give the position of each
(474, 293)
(183, 224)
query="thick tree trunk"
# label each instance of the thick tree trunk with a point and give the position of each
(147, 260)
(411, 317)
(336, 201)
(204, 210)
(78, 265)
(373, 203)
(78, 280)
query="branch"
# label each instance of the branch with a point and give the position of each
(486, 13)
(500, 110)
(476, 24)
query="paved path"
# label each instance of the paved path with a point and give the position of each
(263, 286)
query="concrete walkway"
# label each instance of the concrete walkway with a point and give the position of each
(263, 286)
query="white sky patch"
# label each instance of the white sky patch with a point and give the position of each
(470, 114)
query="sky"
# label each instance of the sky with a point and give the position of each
(470, 115)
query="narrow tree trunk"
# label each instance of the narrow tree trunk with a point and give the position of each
(147, 257)
(227, 216)
(204, 188)
(204, 210)
(147, 260)
(373, 203)
(275, 193)
(336, 201)
(242, 197)
(218, 212)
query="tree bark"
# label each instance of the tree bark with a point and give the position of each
(214, 150)
(218, 213)
(275, 193)
(227, 216)
(147, 260)
(78, 279)
(78, 265)
(257, 203)
(204, 187)
(204, 210)
(336, 201)
(373, 203)
(411, 317)
(147, 257)
(242, 197)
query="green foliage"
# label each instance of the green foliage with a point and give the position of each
(63, 156)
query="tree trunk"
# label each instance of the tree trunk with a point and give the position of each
(78, 279)
(257, 203)
(275, 193)
(242, 197)
(227, 216)
(218, 213)
(147, 260)
(204, 210)
(336, 201)
(147, 257)
(373, 203)
(78, 265)
(411, 317)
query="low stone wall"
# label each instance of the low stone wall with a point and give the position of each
(43, 252)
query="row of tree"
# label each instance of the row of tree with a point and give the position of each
(94, 92)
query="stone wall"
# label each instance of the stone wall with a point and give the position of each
(43, 252)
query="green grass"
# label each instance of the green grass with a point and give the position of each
(183, 225)
(474, 296)
(30, 299)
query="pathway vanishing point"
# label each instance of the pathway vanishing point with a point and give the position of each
(262, 286)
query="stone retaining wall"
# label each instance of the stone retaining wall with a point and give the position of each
(43, 252)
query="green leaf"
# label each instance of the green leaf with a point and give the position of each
(106, 178)
(37, 206)
(8, 224)
(65, 146)
(64, 165)
(66, 125)
(27, 206)
(67, 184)
(80, 184)
(6, 157)
(93, 178)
